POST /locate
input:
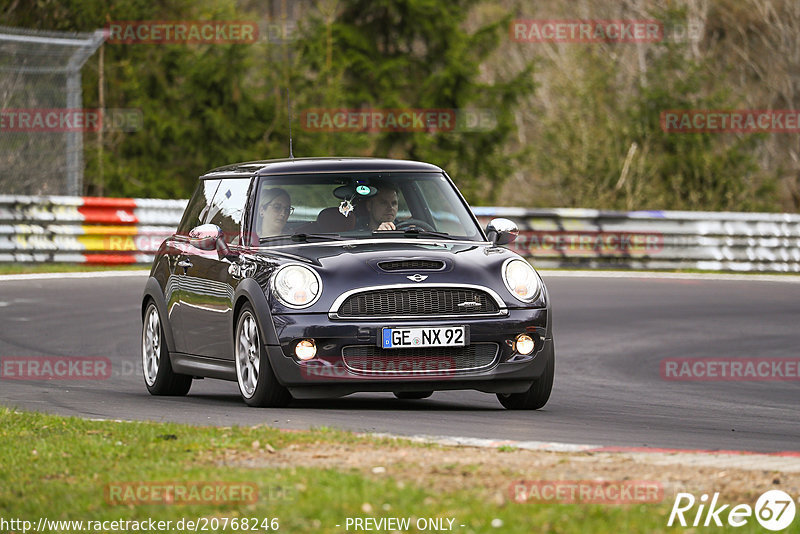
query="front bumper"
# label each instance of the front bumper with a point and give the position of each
(328, 374)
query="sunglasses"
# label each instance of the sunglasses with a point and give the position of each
(287, 210)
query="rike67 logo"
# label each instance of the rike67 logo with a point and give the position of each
(774, 510)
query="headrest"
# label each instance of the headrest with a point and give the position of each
(331, 220)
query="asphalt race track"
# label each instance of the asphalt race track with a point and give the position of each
(611, 335)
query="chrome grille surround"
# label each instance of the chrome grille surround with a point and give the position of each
(406, 296)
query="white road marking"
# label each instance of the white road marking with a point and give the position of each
(545, 272)
(59, 276)
(785, 462)
(674, 276)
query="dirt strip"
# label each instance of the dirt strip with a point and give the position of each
(494, 472)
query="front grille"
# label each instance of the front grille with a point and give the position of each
(412, 265)
(369, 359)
(423, 301)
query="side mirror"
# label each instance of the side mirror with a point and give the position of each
(209, 237)
(501, 231)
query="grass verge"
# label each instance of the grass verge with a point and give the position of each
(66, 468)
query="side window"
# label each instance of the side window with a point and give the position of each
(228, 207)
(197, 208)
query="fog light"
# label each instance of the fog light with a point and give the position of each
(524, 344)
(306, 349)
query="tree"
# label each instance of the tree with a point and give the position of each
(202, 105)
(391, 54)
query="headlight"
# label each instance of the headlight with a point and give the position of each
(296, 286)
(521, 280)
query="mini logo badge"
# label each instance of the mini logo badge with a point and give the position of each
(417, 277)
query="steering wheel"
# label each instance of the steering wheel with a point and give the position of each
(414, 223)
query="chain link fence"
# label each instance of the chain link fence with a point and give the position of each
(41, 128)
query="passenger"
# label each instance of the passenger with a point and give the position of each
(381, 209)
(274, 209)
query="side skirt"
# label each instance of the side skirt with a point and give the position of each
(199, 366)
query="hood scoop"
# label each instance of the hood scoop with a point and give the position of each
(411, 265)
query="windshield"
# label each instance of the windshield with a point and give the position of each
(360, 206)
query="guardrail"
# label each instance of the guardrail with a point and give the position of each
(127, 230)
(724, 241)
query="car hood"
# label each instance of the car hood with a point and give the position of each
(347, 265)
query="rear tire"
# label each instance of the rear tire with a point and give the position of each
(412, 395)
(536, 396)
(159, 377)
(257, 382)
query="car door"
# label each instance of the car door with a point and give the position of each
(178, 251)
(208, 285)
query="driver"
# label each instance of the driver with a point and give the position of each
(381, 209)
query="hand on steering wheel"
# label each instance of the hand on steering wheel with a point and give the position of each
(414, 223)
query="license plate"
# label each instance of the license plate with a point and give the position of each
(440, 336)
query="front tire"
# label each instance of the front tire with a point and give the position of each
(257, 383)
(536, 396)
(159, 377)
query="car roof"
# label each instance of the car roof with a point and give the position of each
(317, 165)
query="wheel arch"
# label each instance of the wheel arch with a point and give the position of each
(153, 291)
(250, 292)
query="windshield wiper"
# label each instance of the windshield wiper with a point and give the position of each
(413, 232)
(304, 237)
(301, 237)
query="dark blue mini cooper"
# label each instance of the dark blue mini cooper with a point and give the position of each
(322, 277)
